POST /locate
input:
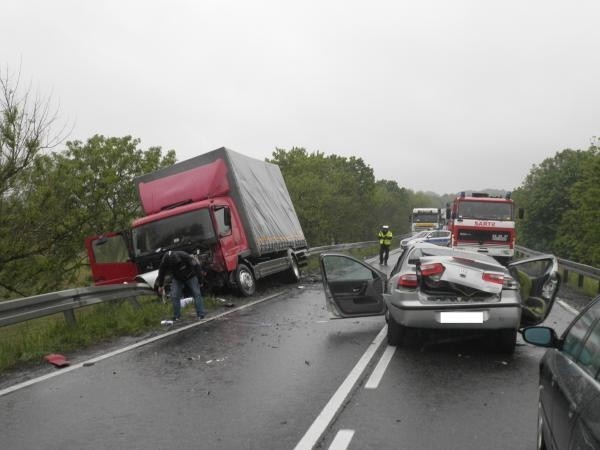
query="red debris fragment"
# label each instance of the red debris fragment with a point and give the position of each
(57, 360)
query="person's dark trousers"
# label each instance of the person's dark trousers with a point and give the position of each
(384, 253)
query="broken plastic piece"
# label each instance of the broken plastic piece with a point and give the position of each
(57, 360)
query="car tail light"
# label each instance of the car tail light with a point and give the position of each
(408, 280)
(509, 282)
(432, 269)
(493, 277)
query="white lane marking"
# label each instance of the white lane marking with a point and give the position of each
(92, 361)
(567, 307)
(312, 436)
(342, 440)
(377, 374)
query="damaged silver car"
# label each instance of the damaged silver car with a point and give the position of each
(433, 287)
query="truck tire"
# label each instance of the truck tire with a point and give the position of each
(244, 278)
(293, 274)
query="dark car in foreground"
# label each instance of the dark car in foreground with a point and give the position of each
(440, 288)
(569, 402)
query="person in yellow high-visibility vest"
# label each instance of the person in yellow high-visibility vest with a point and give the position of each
(385, 240)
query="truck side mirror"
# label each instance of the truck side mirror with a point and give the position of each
(521, 213)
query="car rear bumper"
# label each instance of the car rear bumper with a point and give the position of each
(476, 316)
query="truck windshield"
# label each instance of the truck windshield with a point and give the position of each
(193, 227)
(426, 217)
(485, 210)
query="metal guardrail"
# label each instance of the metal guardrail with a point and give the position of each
(22, 309)
(341, 247)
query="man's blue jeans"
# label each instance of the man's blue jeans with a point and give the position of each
(177, 287)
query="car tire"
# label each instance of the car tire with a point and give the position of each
(506, 340)
(395, 331)
(541, 443)
(244, 278)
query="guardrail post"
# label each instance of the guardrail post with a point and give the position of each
(566, 275)
(580, 280)
(70, 317)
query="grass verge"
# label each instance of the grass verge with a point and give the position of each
(28, 342)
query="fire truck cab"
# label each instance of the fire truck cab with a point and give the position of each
(483, 224)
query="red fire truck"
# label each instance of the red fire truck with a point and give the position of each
(484, 224)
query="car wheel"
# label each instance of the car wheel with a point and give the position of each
(395, 331)
(541, 444)
(507, 340)
(244, 278)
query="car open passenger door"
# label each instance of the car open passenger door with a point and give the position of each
(352, 287)
(539, 281)
(110, 258)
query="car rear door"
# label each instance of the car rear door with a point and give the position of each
(352, 288)
(539, 281)
(110, 258)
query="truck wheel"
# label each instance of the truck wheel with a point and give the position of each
(245, 281)
(293, 274)
(507, 340)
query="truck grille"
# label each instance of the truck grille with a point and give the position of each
(499, 237)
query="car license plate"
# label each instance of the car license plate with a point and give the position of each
(461, 317)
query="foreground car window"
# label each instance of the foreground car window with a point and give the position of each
(339, 268)
(573, 340)
(589, 358)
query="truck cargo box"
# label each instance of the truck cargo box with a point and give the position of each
(257, 187)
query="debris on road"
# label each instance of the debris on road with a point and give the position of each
(57, 360)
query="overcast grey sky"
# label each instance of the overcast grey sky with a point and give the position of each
(437, 95)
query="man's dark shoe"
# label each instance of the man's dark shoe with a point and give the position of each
(176, 319)
(200, 316)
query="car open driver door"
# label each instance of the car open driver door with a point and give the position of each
(352, 288)
(539, 281)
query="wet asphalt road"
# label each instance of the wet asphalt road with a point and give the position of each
(258, 378)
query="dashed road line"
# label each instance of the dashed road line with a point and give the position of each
(326, 416)
(567, 307)
(377, 374)
(342, 440)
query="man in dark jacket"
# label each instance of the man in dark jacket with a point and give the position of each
(184, 270)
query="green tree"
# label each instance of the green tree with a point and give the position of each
(64, 197)
(329, 194)
(579, 230)
(546, 197)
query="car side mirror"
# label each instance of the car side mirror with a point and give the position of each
(540, 336)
